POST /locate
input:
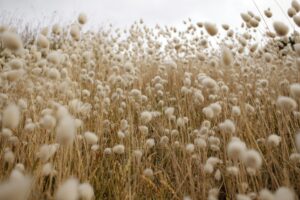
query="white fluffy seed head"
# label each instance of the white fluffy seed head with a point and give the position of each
(11, 116)
(281, 28)
(295, 90)
(146, 117)
(273, 140)
(75, 32)
(266, 194)
(211, 28)
(42, 42)
(286, 103)
(150, 143)
(68, 190)
(86, 191)
(190, 148)
(47, 151)
(66, 130)
(236, 148)
(208, 112)
(236, 111)
(296, 19)
(227, 57)
(284, 193)
(169, 112)
(9, 156)
(252, 159)
(91, 138)
(227, 126)
(144, 130)
(119, 149)
(48, 170)
(82, 18)
(12, 41)
(296, 5)
(148, 172)
(48, 122)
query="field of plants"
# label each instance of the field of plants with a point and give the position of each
(207, 112)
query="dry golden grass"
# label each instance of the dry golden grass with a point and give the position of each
(151, 113)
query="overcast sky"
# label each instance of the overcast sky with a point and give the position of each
(124, 12)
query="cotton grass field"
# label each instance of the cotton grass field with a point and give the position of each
(208, 112)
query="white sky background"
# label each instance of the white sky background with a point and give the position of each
(122, 13)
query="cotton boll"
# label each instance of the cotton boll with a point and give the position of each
(286, 103)
(281, 28)
(284, 193)
(68, 190)
(211, 28)
(11, 116)
(119, 149)
(274, 140)
(86, 191)
(227, 126)
(82, 18)
(12, 41)
(66, 130)
(91, 138)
